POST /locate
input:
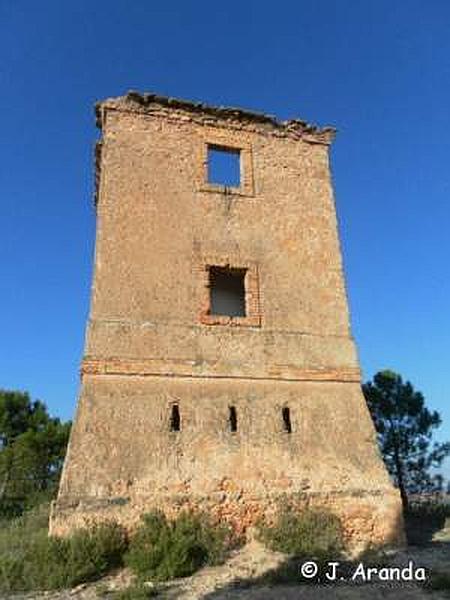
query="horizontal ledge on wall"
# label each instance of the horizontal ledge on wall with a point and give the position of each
(186, 368)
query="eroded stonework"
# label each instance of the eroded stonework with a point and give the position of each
(153, 343)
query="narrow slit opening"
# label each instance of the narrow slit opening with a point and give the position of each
(232, 418)
(286, 413)
(175, 419)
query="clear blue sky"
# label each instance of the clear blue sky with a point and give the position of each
(377, 70)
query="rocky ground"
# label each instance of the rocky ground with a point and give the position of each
(254, 573)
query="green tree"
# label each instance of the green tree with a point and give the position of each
(32, 450)
(405, 428)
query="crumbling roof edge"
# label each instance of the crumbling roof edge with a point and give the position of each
(145, 99)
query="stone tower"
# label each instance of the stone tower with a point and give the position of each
(219, 370)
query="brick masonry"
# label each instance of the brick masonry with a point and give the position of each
(152, 342)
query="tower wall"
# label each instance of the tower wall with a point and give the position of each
(152, 342)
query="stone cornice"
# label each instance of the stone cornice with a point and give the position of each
(149, 102)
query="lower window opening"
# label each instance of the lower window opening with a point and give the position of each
(227, 291)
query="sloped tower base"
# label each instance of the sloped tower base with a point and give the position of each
(119, 466)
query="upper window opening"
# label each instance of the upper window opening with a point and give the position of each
(224, 166)
(286, 413)
(175, 419)
(227, 290)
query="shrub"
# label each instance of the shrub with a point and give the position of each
(137, 591)
(308, 533)
(439, 582)
(429, 510)
(30, 560)
(11, 573)
(31, 523)
(423, 519)
(162, 549)
(17, 538)
(93, 552)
